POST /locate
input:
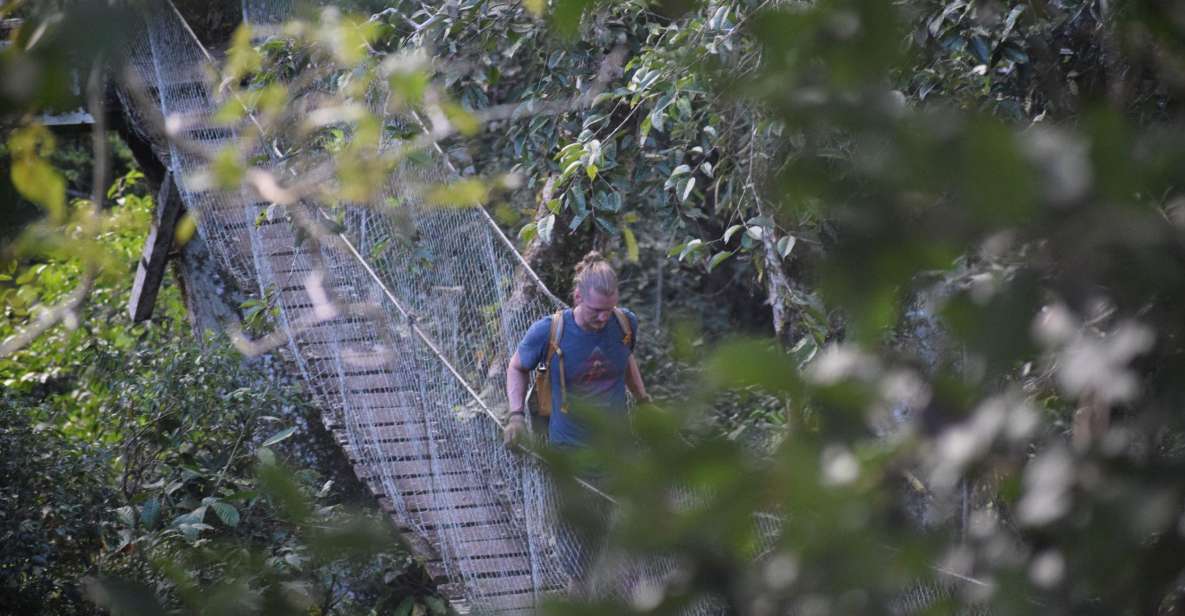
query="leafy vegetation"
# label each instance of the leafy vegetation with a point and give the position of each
(962, 219)
(155, 472)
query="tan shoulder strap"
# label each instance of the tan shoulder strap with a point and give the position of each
(553, 349)
(553, 337)
(627, 337)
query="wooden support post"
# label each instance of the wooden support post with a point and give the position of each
(151, 270)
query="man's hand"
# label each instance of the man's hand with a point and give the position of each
(516, 428)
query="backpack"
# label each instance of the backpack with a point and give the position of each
(543, 379)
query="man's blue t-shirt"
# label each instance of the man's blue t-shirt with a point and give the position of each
(595, 366)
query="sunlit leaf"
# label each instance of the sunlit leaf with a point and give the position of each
(690, 247)
(227, 168)
(242, 57)
(785, 245)
(545, 227)
(186, 227)
(717, 259)
(536, 7)
(528, 232)
(566, 15)
(462, 193)
(466, 123)
(279, 437)
(631, 244)
(32, 174)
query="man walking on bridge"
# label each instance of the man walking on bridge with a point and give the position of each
(587, 353)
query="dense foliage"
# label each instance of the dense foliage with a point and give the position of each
(152, 472)
(965, 218)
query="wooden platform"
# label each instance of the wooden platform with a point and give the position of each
(431, 492)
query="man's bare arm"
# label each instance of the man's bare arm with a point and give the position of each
(516, 384)
(633, 380)
(516, 394)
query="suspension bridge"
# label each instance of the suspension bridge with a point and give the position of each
(403, 343)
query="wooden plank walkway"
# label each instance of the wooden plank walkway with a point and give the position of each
(442, 505)
(452, 514)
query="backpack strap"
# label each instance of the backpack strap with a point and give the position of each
(627, 337)
(553, 350)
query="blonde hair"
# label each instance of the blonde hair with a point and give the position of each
(594, 273)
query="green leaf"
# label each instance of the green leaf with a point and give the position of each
(466, 123)
(226, 512)
(193, 517)
(591, 170)
(462, 193)
(570, 169)
(230, 112)
(657, 115)
(731, 232)
(242, 57)
(786, 244)
(228, 170)
(40, 183)
(150, 513)
(545, 227)
(571, 151)
(536, 8)
(1016, 54)
(755, 232)
(717, 259)
(608, 202)
(127, 515)
(32, 175)
(265, 456)
(436, 605)
(592, 151)
(185, 229)
(408, 86)
(607, 225)
(529, 232)
(690, 247)
(554, 205)
(579, 204)
(631, 244)
(279, 437)
(379, 248)
(687, 188)
(981, 48)
(644, 130)
(566, 16)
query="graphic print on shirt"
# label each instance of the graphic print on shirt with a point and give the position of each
(594, 372)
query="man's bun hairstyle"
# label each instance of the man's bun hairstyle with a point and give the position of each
(594, 273)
